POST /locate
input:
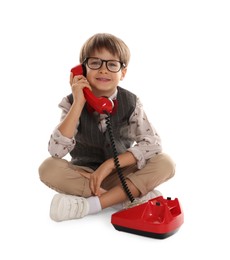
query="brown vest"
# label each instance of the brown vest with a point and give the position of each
(94, 147)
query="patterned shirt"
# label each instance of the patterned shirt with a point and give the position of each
(147, 141)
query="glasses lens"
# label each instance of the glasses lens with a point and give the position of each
(113, 65)
(94, 63)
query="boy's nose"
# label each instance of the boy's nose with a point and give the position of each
(103, 66)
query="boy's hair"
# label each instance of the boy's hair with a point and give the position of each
(106, 41)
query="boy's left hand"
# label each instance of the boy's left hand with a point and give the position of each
(97, 177)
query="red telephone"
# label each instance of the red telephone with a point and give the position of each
(102, 105)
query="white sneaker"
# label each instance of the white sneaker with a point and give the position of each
(140, 200)
(150, 195)
(67, 207)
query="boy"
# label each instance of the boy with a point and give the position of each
(89, 182)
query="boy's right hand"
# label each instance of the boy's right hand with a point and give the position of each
(77, 84)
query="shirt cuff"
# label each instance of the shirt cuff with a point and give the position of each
(141, 162)
(58, 137)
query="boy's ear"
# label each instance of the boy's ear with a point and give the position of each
(123, 72)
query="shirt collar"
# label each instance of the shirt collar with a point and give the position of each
(114, 95)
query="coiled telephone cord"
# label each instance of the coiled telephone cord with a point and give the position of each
(116, 160)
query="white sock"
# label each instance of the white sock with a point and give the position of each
(118, 206)
(94, 205)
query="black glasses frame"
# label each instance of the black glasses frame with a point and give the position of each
(106, 63)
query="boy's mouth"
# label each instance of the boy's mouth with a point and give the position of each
(103, 79)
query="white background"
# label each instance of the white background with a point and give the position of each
(179, 67)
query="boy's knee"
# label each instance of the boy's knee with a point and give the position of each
(43, 168)
(165, 165)
(47, 168)
(169, 165)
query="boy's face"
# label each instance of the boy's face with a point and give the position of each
(103, 81)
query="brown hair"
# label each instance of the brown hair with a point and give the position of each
(108, 41)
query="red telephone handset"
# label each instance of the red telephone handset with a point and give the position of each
(102, 105)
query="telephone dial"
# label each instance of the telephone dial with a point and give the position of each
(102, 105)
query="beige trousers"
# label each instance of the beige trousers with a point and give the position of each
(64, 177)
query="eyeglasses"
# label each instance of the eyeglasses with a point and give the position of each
(96, 63)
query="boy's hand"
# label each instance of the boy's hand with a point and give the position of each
(98, 176)
(88, 176)
(77, 84)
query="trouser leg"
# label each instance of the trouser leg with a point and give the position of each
(158, 169)
(64, 177)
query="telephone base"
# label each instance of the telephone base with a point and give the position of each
(144, 233)
(157, 218)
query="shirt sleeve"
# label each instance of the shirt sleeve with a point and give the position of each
(147, 141)
(59, 145)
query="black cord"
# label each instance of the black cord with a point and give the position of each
(116, 160)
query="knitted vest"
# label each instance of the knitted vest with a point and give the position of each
(93, 147)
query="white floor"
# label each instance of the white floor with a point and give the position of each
(179, 68)
(27, 231)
